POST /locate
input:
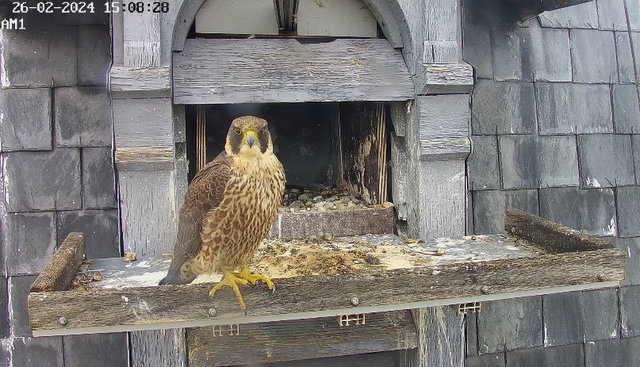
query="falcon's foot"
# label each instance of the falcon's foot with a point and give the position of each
(252, 278)
(231, 280)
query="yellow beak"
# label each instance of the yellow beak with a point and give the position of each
(250, 137)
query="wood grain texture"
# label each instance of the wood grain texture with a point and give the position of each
(144, 159)
(140, 83)
(442, 32)
(442, 149)
(441, 215)
(337, 222)
(142, 39)
(440, 337)
(444, 78)
(213, 71)
(63, 266)
(143, 122)
(135, 308)
(550, 236)
(399, 172)
(148, 211)
(364, 147)
(444, 116)
(299, 339)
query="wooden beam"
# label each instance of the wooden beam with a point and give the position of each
(337, 222)
(444, 78)
(300, 339)
(63, 266)
(140, 83)
(145, 158)
(214, 71)
(550, 236)
(448, 278)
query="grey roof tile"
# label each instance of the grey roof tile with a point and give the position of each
(605, 160)
(593, 56)
(82, 117)
(611, 15)
(26, 119)
(626, 109)
(99, 226)
(613, 352)
(486, 360)
(628, 200)
(512, 56)
(630, 311)
(503, 108)
(489, 207)
(632, 247)
(476, 49)
(551, 54)
(31, 241)
(482, 164)
(567, 108)
(565, 356)
(592, 211)
(579, 16)
(626, 69)
(510, 324)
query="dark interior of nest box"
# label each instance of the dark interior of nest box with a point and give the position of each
(340, 145)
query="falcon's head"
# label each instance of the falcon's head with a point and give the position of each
(248, 136)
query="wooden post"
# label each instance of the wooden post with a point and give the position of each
(201, 137)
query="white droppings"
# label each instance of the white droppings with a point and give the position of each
(125, 299)
(593, 182)
(611, 228)
(546, 336)
(143, 264)
(629, 251)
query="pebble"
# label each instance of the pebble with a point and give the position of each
(317, 199)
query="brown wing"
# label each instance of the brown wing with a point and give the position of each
(204, 193)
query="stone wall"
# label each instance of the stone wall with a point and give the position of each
(555, 132)
(57, 175)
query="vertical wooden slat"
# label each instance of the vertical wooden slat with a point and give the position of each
(364, 145)
(201, 137)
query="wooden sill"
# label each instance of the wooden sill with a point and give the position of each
(552, 259)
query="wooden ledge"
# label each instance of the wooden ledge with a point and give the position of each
(316, 280)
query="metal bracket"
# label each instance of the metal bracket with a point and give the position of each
(469, 307)
(353, 319)
(220, 330)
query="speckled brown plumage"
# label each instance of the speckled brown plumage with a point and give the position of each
(229, 206)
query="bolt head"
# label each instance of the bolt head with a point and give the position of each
(62, 320)
(355, 301)
(212, 312)
(484, 289)
(602, 277)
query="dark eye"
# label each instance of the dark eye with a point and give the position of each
(237, 131)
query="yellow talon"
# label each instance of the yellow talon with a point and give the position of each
(232, 281)
(252, 278)
(243, 277)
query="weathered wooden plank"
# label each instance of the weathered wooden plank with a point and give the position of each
(337, 222)
(364, 146)
(444, 116)
(444, 325)
(300, 339)
(63, 266)
(142, 39)
(335, 18)
(237, 17)
(143, 122)
(444, 78)
(110, 309)
(441, 149)
(550, 236)
(144, 159)
(399, 172)
(148, 212)
(442, 32)
(140, 83)
(441, 215)
(213, 71)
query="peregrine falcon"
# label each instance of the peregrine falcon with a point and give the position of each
(228, 209)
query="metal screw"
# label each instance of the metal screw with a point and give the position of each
(62, 320)
(212, 312)
(355, 301)
(484, 289)
(602, 277)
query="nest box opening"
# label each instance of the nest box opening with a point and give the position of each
(335, 155)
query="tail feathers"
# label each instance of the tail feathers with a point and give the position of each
(173, 277)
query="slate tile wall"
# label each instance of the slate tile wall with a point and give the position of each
(56, 175)
(556, 132)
